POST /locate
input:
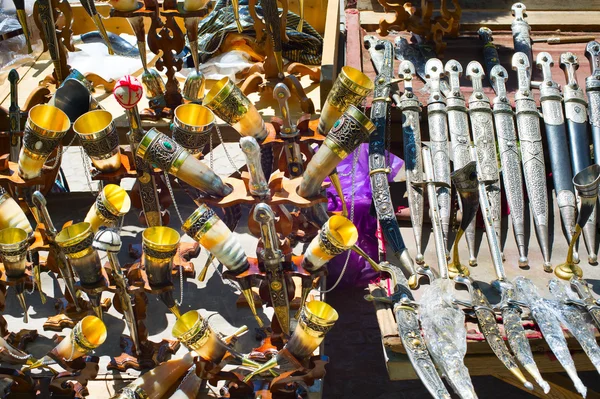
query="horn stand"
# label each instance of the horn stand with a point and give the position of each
(586, 183)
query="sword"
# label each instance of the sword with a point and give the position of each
(272, 257)
(556, 136)
(14, 114)
(55, 49)
(458, 125)
(520, 31)
(482, 124)
(407, 318)
(579, 139)
(550, 327)
(438, 133)
(577, 320)
(442, 322)
(144, 171)
(110, 242)
(378, 168)
(486, 318)
(532, 154)
(592, 88)
(289, 132)
(90, 8)
(60, 258)
(490, 54)
(22, 17)
(510, 158)
(411, 130)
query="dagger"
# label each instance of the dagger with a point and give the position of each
(490, 53)
(273, 27)
(438, 133)
(458, 125)
(411, 130)
(532, 153)
(556, 136)
(586, 299)
(272, 258)
(521, 31)
(90, 8)
(289, 132)
(592, 88)
(550, 327)
(55, 49)
(22, 17)
(378, 167)
(510, 158)
(60, 258)
(258, 185)
(579, 139)
(14, 114)
(482, 125)
(486, 318)
(144, 171)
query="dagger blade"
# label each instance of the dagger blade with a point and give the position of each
(14, 113)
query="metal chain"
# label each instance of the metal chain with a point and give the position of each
(353, 185)
(211, 157)
(88, 177)
(65, 148)
(225, 148)
(168, 181)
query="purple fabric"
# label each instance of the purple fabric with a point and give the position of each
(358, 271)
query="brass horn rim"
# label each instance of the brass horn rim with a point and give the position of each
(73, 234)
(356, 81)
(183, 120)
(188, 326)
(152, 237)
(203, 211)
(146, 141)
(219, 92)
(92, 133)
(12, 245)
(361, 118)
(117, 193)
(586, 179)
(48, 121)
(341, 232)
(90, 333)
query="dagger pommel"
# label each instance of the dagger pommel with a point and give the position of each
(545, 62)
(499, 76)
(592, 52)
(569, 64)
(454, 70)
(518, 11)
(485, 34)
(520, 63)
(475, 74)
(434, 70)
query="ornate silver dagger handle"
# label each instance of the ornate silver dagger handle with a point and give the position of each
(521, 64)
(521, 31)
(258, 183)
(575, 104)
(458, 122)
(14, 116)
(271, 253)
(281, 93)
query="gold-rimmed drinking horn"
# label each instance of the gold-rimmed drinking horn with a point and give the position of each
(163, 152)
(11, 214)
(86, 336)
(228, 102)
(315, 321)
(586, 183)
(46, 126)
(76, 242)
(99, 139)
(157, 382)
(192, 126)
(111, 203)
(13, 252)
(350, 88)
(160, 245)
(207, 228)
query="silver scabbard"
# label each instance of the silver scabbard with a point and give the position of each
(532, 154)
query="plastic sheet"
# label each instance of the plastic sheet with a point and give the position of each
(358, 272)
(13, 51)
(550, 327)
(445, 334)
(226, 64)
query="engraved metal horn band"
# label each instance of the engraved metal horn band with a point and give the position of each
(111, 203)
(164, 153)
(99, 139)
(160, 244)
(45, 128)
(192, 126)
(586, 183)
(228, 102)
(195, 334)
(11, 214)
(350, 88)
(465, 181)
(337, 235)
(13, 253)
(352, 129)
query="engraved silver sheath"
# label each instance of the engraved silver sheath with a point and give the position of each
(482, 125)
(592, 88)
(556, 137)
(411, 130)
(510, 159)
(458, 126)
(438, 134)
(576, 113)
(532, 153)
